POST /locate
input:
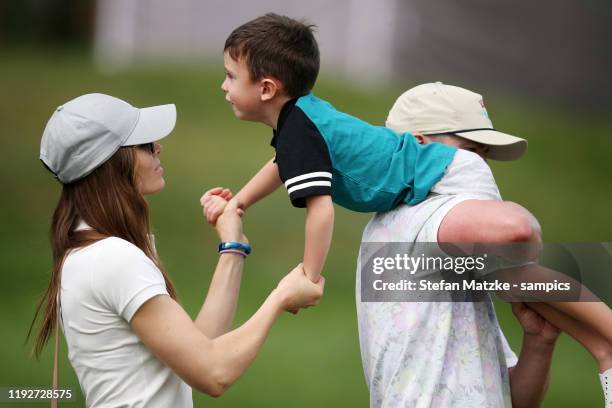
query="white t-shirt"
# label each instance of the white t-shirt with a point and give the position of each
(102, 286)
(433, 354)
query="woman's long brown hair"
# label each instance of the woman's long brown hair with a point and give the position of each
(109, 202)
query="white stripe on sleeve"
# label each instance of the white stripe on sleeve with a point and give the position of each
(309, 184)
(308, 176)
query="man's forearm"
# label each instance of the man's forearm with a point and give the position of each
(217, 313)
(530, 377)
(265, 182)
(319, 229)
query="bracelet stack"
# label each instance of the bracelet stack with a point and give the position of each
(234, 248)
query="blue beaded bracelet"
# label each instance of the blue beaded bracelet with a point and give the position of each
(246, 248)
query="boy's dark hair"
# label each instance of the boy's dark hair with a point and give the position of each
(278, 46)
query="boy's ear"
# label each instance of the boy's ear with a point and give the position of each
(421, 138)
(270, 87)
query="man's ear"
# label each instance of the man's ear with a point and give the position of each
(421, 138)
(270, 87)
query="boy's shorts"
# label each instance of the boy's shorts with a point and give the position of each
(468, 174)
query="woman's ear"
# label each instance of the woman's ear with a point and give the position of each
(269, 88)
(421, 138)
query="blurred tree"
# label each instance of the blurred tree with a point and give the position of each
(553, 50)
(65, 22)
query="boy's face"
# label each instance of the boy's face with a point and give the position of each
(243, 94)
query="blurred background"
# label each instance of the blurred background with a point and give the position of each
(543, 70)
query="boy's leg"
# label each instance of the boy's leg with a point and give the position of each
(487, 221)
(597, 315)
(597, 345)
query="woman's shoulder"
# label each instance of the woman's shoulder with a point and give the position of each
(111, 272)
(111, 249)
(106, 262)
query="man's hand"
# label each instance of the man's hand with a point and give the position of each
(534, 325)
(214, 202)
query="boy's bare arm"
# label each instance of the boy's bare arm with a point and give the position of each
(318, 234)
(265, 182)
(262, 184)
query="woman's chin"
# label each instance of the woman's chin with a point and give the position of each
(154, 188)
(162, 185)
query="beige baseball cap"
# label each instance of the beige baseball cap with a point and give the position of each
(437, 109)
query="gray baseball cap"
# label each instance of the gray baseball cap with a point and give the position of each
(85, 132)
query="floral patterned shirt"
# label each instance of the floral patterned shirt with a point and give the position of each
(430, 354)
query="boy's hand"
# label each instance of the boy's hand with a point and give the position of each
(214, 201)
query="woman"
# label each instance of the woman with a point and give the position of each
(129, 341)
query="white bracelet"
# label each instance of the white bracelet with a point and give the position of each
(233, 251)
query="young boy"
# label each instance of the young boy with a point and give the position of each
(322, 155)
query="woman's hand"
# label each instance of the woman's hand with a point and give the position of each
(296, 291)
(229, 224)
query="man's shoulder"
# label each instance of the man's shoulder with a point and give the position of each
(411, 223)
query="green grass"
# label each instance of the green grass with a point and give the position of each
(312, 359)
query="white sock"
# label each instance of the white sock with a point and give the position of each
(606, 383)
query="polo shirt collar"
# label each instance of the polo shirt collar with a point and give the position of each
(282, 117)
(82, 225)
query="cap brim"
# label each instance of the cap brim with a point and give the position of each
(502, 146)
(154, 123)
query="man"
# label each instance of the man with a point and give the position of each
(451, 354)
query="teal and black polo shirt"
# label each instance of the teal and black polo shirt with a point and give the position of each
(366, 168)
